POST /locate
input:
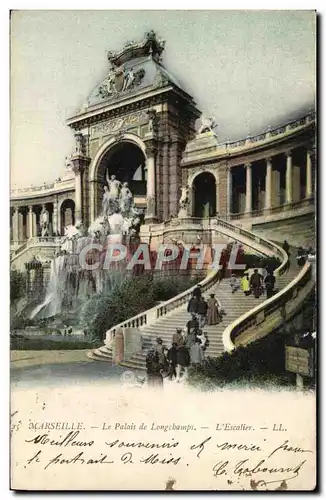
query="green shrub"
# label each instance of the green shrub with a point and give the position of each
(260, 362)
(17, 284)
(35, 344)
(133, 296)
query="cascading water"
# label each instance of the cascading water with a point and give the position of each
(55, 289)
(71, 283)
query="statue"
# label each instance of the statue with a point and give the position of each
(110, 84)
(207, 125)
(79, 144)
(44, 223)
(184, 202)
(112, 198)
(152, 120)
(126, 200)
(106, 201)
(129, 78)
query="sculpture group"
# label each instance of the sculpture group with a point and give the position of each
(117, 198)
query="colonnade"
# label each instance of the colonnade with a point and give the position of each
(284, 180)
(25, 220)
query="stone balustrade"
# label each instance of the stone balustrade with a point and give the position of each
(271, 312)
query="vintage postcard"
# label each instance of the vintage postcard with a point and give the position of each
(163, 250)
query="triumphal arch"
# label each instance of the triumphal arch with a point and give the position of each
(135, 125)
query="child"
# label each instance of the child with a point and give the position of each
(234, 282)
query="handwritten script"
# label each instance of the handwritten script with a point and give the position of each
(232, 459)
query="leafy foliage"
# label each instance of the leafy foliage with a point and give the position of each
(128, 299)
(20, 343)
(262, 361)
(17, 284)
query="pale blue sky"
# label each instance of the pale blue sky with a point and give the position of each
(250, 69)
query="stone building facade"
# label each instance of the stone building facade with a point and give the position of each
(139, 124)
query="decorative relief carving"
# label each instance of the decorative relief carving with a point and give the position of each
(151, 148)
(152, 120)
(117, 124)
(160, 80)
(119, 80)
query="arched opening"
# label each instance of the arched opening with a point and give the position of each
(127, 162)
(204, 188)
(67, 214)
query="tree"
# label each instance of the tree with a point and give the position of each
(17, 284)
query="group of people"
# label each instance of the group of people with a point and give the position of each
(255, 285)
(208, 312)
(302, 254)
(188, 345)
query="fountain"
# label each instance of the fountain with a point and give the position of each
(71, 282)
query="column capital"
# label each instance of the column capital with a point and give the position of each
(79, 163)
(269, 159)
(151, 148)
(16, 209)
(288, 153)
(248, 164)
(311, 151)
(30, 208)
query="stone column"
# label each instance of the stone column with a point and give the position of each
(55, 218)
(309, 175)
(15, 231)
(21, 226)
(217, 185)
(288, 178)
(30, 222)
(248, 167)
(268, 184)
(229, 192)
(79, 161)
(151, 187)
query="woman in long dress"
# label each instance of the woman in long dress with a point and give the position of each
(212, 311)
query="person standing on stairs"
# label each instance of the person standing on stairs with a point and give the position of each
(197, 292)
(177, 337)
(234, 282)
(255, 282)
(159, 348)
(192, 324)
(269, 282)
(202, 312)
(192, 307)
(172, 360)
(183, 362)
(196, 354)
(213, 316)
(245, 285)
(286, 247)
(153, 369)
(301, 257)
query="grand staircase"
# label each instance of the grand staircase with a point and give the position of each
(234, 304)
(237, 306)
